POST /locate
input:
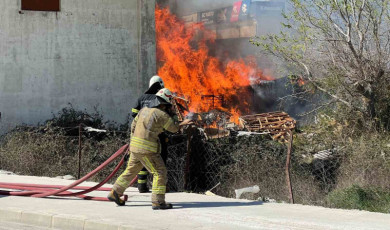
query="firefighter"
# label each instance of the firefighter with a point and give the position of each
(149, 99)
(145, 150)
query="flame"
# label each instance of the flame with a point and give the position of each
(301, 82)
(188, 70)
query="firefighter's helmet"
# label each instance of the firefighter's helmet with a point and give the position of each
(165, 94)
(155, 79)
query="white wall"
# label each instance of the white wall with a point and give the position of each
(91, 53)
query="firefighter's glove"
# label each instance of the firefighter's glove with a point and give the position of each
(186, 122)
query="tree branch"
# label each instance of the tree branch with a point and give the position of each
(309, 75)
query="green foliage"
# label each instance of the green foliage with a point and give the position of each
(341, 49)
(356, 197)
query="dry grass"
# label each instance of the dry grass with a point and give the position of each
(51, 153)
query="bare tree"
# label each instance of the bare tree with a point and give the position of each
(342, 48)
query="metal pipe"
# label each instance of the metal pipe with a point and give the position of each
(79, 171)
(188, 158)
(288, 160)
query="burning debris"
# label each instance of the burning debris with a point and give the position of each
(188, 68)
(214, 101)
(216, 123)
(217, 90)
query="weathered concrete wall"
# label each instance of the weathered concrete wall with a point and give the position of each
(92, 53)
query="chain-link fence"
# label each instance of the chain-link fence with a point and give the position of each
(226, 164)
(176, 164)
(230, 163)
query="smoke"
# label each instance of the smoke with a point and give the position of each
(185, 7)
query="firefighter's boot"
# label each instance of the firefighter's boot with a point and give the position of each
(143, 181)
(143, 188)
(114, 196)
(161, 206)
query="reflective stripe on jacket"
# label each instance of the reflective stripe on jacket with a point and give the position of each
(149, 123)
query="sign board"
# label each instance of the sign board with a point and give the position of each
(223, 15)
(41, 5)
(236, 11)
(207, 17)
(244, 12)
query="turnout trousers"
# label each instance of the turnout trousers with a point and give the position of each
(143, 174)
(154, 164)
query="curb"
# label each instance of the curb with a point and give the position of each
(59, 221)
(67, 222)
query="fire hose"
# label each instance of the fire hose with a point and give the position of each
(39, 190)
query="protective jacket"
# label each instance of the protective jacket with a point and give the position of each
(148, 99)
(147, 126)
(144, 151)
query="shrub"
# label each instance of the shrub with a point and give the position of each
(356, 197)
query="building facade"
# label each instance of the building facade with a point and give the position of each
(87, 53)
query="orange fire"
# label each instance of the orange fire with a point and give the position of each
(301, 82)
(188, 70)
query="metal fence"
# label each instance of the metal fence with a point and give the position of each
(230, 163)
(209, 163)
(194, 164)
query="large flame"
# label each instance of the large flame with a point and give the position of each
(188, 70)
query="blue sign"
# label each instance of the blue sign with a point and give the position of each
(244, 12)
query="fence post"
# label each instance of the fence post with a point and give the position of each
(288, 160)
(189, 132)
(79, 171)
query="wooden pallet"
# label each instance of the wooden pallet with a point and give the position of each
(276, 123)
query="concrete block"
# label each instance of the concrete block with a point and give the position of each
(129, 227)
(37, 218)
(13, 215)
(100, 225)
(68, 222)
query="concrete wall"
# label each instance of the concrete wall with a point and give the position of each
(91, 53)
